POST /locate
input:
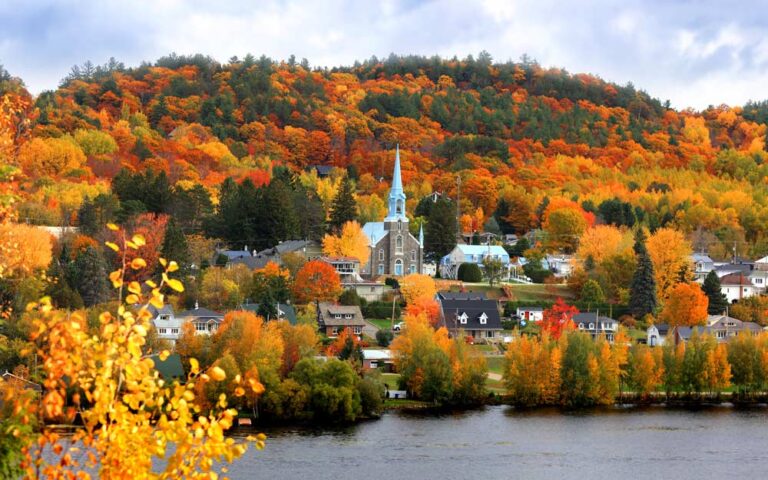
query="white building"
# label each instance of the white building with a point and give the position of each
(736, 286)
(530, 314)
(449, 264)
(167, 325)
(206, 321)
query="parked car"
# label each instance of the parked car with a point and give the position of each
(398, 326)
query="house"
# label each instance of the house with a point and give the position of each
(284, 311)
(321, 170)
(378, 359)
(464, 295)
(722, 327)
(348, 268)
(736, 286)
(429, 268)
(656, 335)
(702, 265)
(206, 321)
(232, 254)
(256, 261)
(759, 278)
(530, 314)
(474, 315)
(449, 264)
(560, 265)
(762, 264)
(737, 265)
(333, 319)
(370, 291)
(167, 325)
(394, 251)
(596, 324)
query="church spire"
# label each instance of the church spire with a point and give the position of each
(397, 182)
(396, 211)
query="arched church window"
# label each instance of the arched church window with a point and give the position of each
(398, 267)
(381, 254)
(399, 244)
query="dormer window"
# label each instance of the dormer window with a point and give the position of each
(483, 319)
(463, 318)
(591, 326)
(581, 326)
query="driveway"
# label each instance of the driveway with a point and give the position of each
(370, 329)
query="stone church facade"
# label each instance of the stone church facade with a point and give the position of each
(394, 251)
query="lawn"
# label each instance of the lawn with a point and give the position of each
(382, 323)
(391, 380)
(539, 293)
(495, 364)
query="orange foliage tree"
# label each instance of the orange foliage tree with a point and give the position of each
(686, 306)
(316, 281)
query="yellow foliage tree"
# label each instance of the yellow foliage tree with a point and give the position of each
(352, 242)
(417, 287)
(50, 156)
(603, 241)
(24, 249)
(669, 251)
(131, 416)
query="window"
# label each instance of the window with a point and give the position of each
(412, 269)
(161, 330)
(175, 330)
(374, 364)
(347, 315)
(413, 255)
(463, 318)
(165, 317)
(399, 225)
(721, 334)
(381, 269)
(335, 331)
(398, 267)
(483, 319)
(591, 326)
(357, 330)
(489, 334)
(399, 208)
(581, 326)
(200, 327)
(399, 244)
(381, 255)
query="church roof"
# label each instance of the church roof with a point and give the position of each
(374, 231)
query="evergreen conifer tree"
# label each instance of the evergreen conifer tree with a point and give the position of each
(91, 277)
(642, 293)
(717, 301)
(175, 245)
(344, 208)
(440, 230)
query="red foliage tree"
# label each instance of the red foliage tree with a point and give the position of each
(558, 318)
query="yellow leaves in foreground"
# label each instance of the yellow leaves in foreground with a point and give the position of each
(131, 416)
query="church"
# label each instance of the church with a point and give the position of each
(394, 251)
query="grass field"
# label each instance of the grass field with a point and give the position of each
(495, 364)
(538, 292)
(382, 323)
(391, 380)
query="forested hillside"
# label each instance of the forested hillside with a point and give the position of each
(526, 141)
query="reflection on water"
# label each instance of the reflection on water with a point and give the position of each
(501, 442)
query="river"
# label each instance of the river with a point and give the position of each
(501, 443)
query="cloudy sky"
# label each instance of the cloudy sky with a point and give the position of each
(694, 53)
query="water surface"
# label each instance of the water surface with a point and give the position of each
(500, 442)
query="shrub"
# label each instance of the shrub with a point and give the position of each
(383, 338)
(470, 272)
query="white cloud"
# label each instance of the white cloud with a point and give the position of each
(694, 53)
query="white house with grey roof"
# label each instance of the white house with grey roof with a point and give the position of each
(449, 264)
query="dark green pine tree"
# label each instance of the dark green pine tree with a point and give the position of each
(440, 230)
(175, 245)
(90, 273)
(717, 301)
(344, 208)
(642, 292)
(267, 306)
